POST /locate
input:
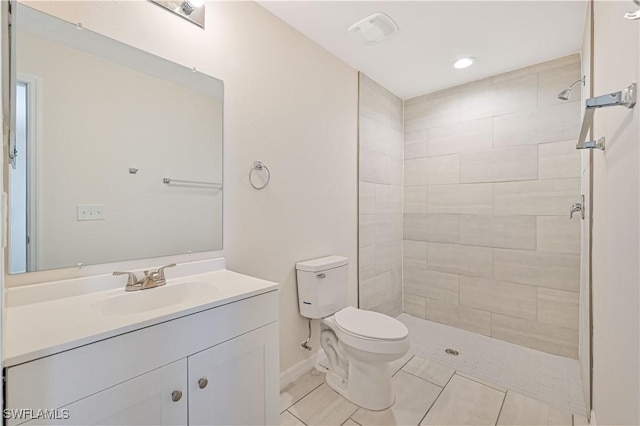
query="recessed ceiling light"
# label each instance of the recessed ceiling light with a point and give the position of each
(463, 63)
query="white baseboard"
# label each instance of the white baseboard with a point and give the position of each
(296, 371)
(592, 419)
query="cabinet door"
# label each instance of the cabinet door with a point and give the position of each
(144, 400)
(242, 381)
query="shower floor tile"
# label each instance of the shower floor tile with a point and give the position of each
(552, 379)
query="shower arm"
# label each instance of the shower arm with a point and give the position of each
(626, 98)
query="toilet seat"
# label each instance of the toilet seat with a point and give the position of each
(370, 325)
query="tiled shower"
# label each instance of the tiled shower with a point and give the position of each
(464, 200)
(380, 182)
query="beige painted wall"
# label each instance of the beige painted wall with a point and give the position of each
(490, 172)
(380, 208)
(289, 103)
(616, 227)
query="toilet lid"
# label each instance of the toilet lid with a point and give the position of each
(372, 325)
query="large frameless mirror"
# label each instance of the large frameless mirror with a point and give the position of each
(118, 153)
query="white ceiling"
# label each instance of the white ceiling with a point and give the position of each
(502, 35)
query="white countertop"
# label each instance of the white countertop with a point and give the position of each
(35, 330)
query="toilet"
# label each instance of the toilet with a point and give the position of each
(359, 344)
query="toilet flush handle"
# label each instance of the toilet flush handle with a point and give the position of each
(321, 275)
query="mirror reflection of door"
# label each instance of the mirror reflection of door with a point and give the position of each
(22, 181)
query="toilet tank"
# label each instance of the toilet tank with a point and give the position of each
(323, 286)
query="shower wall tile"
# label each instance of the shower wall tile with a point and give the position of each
(431, 227)
(459, 259)
(434, 112)
(380, 104)
(541, 68)
(467, 136)
(415, 254)
(460, 199)
(554, 80)
(388, 199)
(539, 125)
(560, 271)
(415, 136)
(490, 171)
(383, 258)
(516, 300)
(432, 171)
(376, 294)
(557, 233)
(414, 305)
(375, 229)
(431, 284)
(396, 256)
(558, 307)
(415, 200)
(415, 150)
(551, 197)
(536, 335)
(367, 198)
(499, 165)
(558, 160)
(459, 316)
(504, 97)
(380, 138)
(517, 232)
(376, 167)
(367, 262)
(396, 227)
(381, 198)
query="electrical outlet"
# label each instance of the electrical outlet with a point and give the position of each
(91, 212)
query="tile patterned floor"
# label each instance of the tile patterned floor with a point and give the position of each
(487, 384)
(549, 378)
(461, 401)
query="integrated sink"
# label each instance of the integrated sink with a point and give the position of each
(128, 303)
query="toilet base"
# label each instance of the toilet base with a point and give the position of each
(368, 386)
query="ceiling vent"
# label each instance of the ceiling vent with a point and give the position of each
(375, 28)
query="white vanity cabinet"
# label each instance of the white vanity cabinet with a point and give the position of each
(144, 400)
(214, 367)
(229, 384)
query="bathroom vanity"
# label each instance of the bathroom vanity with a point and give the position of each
(201, 350)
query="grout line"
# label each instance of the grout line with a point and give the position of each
(294, 416)
(477, 381)
(401, 368)
(501, 407)
(436, 400)
(425, 380)
(302, 397)
(350, 418)
(354, 411)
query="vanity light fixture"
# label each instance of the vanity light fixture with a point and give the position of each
(463, 63)
(191, 10)
(634, 16)
(188, 6)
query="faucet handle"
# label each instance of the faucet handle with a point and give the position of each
(131, 280)
(161, 270)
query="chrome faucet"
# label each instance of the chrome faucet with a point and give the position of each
(150, 280)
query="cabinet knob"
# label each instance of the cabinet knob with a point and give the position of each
(176, 395)
(203, 382)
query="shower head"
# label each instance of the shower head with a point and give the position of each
(566, 93)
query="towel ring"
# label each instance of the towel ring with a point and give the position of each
(259, 165)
